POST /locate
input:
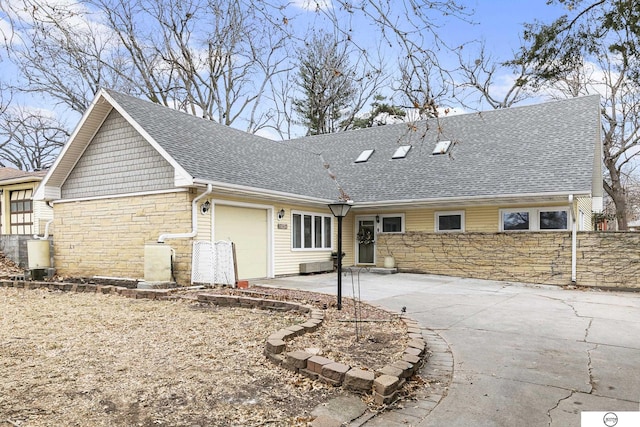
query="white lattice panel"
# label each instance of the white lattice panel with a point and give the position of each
(213, 263)
(224, 273)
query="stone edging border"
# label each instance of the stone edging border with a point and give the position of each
(384, 383)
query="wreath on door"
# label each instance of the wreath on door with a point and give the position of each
(365, 237)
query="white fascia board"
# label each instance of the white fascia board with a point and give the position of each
(182, 177)
(40, 191)
(46, 193)
(21, 180)
(474, 200)
(259, 192)
(121, 195)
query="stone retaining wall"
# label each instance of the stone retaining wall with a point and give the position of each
(607, 260)
(384, 384)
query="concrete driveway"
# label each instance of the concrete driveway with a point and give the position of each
(523, 355)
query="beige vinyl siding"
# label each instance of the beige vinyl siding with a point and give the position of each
(42, 214)
(419, 220)
(118, 160)
(477, 218)
(287, 260)
(584, 204)
(482, 219)
(348, 238)
(204, 221)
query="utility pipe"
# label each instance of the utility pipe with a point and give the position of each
(574, 239)
(46, 231)
(194, 220)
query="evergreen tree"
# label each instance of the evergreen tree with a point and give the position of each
(381, 114)
(325, 81)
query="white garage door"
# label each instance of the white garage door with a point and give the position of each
(247, 228)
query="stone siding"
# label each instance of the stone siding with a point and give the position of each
(106, 237)
(603, 259)
(609, 259)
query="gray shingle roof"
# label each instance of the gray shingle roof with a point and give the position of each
(544, 148)
(213, 152)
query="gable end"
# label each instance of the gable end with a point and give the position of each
(118, 160)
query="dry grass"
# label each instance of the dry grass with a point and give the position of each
(91, 359)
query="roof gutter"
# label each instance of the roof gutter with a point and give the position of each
(253, 191)
(194, 220)
(520, 198)
(21, 180)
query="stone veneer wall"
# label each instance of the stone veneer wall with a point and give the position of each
(603, 259)
(106, 237)
(610, 259)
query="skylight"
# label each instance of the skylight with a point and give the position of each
(364, 156)
(401, 152)
(441, 147)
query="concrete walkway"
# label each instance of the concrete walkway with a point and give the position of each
(514, 354)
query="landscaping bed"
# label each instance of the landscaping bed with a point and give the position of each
(71, 358)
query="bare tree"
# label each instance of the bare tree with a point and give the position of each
(208, 57)
(610, 76)
(476, 79)
(225, 60)
(30, 139)
(413, 31)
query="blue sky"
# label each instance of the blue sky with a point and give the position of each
(499, 22)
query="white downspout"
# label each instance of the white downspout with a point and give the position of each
(194, 220)
(46, 231)
(574, 239)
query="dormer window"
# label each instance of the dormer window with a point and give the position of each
(401, 152)
(364, 156)
(441, 147)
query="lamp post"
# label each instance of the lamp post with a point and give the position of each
(340, 210)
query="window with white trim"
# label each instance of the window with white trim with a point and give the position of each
(21, 210)
(311, 231)
(392, 223)
(451, 221)
(534, 219)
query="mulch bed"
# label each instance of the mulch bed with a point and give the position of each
(93, 359)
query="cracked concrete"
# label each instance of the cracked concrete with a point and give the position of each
(522, 354)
